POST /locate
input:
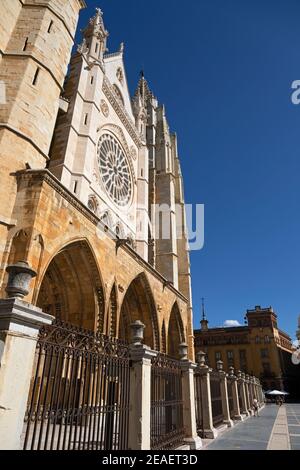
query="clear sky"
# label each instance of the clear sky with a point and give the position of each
(224, 71)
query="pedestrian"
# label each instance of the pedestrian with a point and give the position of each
(255, 407)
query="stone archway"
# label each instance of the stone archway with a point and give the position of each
(138, 304)
(71, 289)
(175, 332)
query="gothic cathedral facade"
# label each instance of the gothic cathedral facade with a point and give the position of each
(87, 174)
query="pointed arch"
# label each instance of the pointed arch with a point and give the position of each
(139, 304)
(19, 247)
(111, 319)
(71, 288)
(175, 331)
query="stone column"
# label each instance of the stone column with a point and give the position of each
(235, 395)
(249, 401)
(241, 385)
(19, 327)
(255, 388)
(259, 393)
(209, 432)
(224, 395)
(140, 390)
(252, 388)
(189, 403)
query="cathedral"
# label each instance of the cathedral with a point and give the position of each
(88, 172)
(96, 322)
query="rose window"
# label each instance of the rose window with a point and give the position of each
(114, 170)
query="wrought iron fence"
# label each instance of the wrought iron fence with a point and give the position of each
(198, 402)
(230, 397)
(240, 391)
(167, 430)
(79, 396)
(216, 398)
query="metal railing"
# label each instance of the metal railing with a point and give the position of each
(216, 398)
(167, 430)
(230, 398)
(198, 402)
(79, 396)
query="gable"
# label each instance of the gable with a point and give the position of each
(116, 74)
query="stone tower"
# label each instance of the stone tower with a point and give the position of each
(169, 251)
(35, 45)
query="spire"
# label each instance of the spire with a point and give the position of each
(204, 321)
(203, 310)
(95, 36)
(140, 102)
(143, 91)
(98, 18)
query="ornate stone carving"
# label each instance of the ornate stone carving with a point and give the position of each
(116, 174)
(83, 48)
(120, 75)
(121, 112)
(118, 132)
(104, 108)
(133, 153)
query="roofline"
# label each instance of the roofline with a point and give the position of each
(284, 334)
(222, 328)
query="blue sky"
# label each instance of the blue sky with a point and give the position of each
(224, 71)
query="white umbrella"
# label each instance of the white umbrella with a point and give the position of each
(277, 392)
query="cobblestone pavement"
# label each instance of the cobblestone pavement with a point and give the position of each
(293, 417)
(260, 433)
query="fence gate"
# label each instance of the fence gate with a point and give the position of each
(216, 398)
(79, 394)
(199, 402)
(167, 431)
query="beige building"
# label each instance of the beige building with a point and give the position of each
(259, 348)
(82, 163)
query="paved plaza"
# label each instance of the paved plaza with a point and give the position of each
(275, 429)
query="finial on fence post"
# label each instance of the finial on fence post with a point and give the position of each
(220, 366)
(137, 332)
(19, 278)
(183, 351)
(201, 358)
(231, 371)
